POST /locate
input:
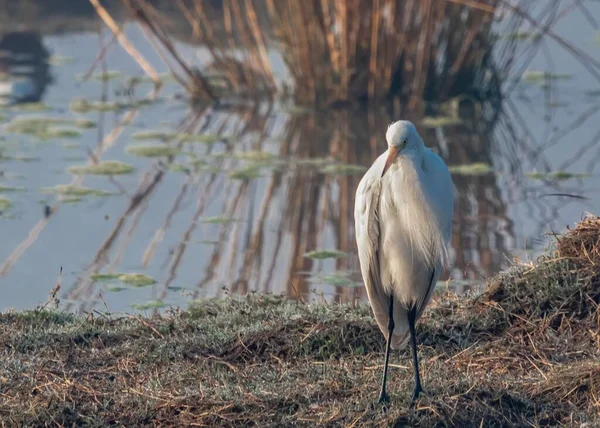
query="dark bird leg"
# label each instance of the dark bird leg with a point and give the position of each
(383, 397)
(413, 342)
(412, 315)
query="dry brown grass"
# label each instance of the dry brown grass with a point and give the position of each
(523, 353)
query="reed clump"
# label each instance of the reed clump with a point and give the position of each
(524, 352)
(345, 52)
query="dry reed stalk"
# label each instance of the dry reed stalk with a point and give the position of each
(124, 42)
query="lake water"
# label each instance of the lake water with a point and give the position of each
(253, 203)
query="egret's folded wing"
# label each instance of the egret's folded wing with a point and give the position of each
(366, 219)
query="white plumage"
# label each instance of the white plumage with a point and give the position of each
(403, 218)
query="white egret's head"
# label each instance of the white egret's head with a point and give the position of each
(402, 137)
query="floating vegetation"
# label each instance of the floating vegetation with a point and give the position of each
(152, 304)
(152, 151)
(7, 189)
(337, 279)
(45, 128)
(342, 169)
(136, 279)
(31, 107)
(246, 173)
(60, 60)
(103, 168)
(477, 168)
(317, 162)
(104, 276)
(437, 121)
(5, 204)
(523, 35)
(325, 254)
(256, 156)
(116, 288)
(216, 220)
(555, 175)
(541, 76)
(71, 190)
(102, 76)
(179, 136)
(178, 167)
(19, 158)
(81, 105)
(153, 135)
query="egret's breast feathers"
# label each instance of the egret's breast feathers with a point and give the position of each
(411, 204)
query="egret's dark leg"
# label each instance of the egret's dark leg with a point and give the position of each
(412, 313)
(383, 397)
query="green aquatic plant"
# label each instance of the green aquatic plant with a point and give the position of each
(216, 220)
(152, 151)
(555, 175)
(6, 189)
(477, 168)
(71, 190)
(325, 254)
(337, 279)
(5, 204)
(104, 276)
(136, 279)
(103, 168)
(534, 76)
(440, 121)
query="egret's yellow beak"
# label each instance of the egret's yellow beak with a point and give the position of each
(392, 154)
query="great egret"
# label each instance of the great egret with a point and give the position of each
(403, 220)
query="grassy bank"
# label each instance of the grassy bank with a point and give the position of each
(523, 353)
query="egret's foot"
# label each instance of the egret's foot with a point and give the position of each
(416, 392)
(383, 398)
(383, 402)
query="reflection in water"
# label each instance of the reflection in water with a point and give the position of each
(24, 68)
(285, 186)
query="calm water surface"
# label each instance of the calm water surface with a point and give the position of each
(239, 208)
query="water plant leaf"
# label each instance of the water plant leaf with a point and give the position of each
(337, 279)
(71, 190)
(104, 276)
(115, 288)
(103, 168)
(555, 175)
(325, 254)
(477, 168)
(216, 220)
(152, 150)
(5, 203)
(533, 76)
(6, 189)
(136, 279)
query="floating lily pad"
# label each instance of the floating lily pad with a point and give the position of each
(555, 175)
(5, 204)
(136, 279)
(153, 135)
(337, 279)
(540, 76)
(103, 168)
(116, 288)
(245, 173)
(60, 60)
(46, 127)
(202, 138)
(30, 107)
(104, 276)
(436, 121)
(523, 35)
(325, 254)
(81, 105)
(6, 189)
(102, 76)
(342, 169)
(152, 151)
(70, 190)
(477, 168)
(152, 304)
(216, 220)
(256, 156)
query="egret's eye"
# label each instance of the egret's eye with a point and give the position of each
(404, 142)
